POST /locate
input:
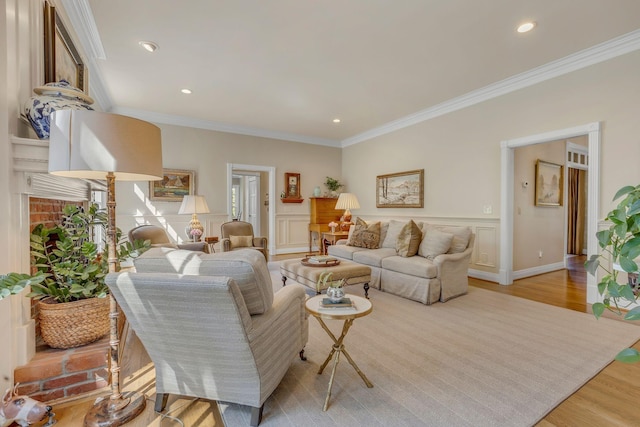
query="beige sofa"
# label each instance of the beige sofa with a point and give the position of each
(436, 272)
(212, 324)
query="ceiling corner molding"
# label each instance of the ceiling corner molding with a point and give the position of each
(599, 53)
(82, 21)
(170, 119)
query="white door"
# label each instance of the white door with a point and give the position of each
(253, 187)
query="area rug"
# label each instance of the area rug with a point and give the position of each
(482, 359)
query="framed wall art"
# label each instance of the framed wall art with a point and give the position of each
(175, 184)
(291, 188)
(400, 190)
(62, 60)
(548, 184)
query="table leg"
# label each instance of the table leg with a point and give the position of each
(338, 347)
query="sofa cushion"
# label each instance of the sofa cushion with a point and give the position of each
(461, 236)
(373, 257)
(365, 235)
(343, 251)
(413, 266)
(393, 231)
(247, 267)
(434, 243)
(240, 241)
(409, 239)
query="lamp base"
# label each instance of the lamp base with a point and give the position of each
(110, 413)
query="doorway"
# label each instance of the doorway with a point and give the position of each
(251, 191)
(245, 199)
(592, 131)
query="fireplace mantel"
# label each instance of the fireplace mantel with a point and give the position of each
(29, 155)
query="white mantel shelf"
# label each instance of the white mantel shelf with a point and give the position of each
(30, 155)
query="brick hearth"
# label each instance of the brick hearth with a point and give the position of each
(56, 373)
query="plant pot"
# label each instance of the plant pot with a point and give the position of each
(73, 324)
(335, 294)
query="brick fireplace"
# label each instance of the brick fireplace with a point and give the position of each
(55, 374)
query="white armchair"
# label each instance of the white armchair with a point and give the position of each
(212, 325)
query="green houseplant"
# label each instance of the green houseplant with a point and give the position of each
(333, 185)
(69, 276)
(621, 244)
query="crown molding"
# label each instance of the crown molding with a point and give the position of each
(81, 17)
(171, 119)
(585, 58)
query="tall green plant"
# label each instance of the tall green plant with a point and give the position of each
(69, 264)
(621, 244)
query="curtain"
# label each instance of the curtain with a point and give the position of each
(577, 206)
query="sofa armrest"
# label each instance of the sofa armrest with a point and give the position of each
(195, 246)
(342, 242)
(453, 272)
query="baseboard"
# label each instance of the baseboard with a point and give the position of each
(534, 271)
(484, 275)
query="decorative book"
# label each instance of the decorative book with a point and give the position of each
(343, 303)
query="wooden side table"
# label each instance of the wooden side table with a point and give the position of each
(362, 307)
(211, 241)
(330, 238)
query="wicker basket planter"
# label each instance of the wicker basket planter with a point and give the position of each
(73, 324)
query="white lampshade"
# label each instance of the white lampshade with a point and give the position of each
(347, 201)
(89, 144)
(193, 205)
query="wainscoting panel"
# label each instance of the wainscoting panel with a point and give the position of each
(292, 233)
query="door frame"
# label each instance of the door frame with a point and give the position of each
(271, 170)
(592, 130)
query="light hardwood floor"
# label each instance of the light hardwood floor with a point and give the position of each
(609, 399)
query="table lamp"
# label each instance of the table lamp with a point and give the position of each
(347, 201)
(95, 145)
(194, 205)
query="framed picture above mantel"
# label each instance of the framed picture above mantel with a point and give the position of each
(291, 193)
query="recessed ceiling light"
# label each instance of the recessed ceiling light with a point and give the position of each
(336, 120)
(526, 27)
(148, 46)
(187, 91)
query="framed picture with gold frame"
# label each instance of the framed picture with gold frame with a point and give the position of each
(549, 181)
(62, 61)
(400, 190)
(292, 188)
(175, 184)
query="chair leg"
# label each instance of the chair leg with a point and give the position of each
(161, 401)
(256, 416)
(302, 356)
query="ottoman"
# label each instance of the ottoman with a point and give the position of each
(353, 273)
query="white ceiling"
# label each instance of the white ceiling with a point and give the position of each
(287, 68)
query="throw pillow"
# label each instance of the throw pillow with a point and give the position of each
(365, 235)
(240, 241)
(461, 236)
(393, 231)
(409, 239)
(434, 243)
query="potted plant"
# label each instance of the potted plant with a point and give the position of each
(69, 277)
(333, 185)
(335, 288)
(620, 243)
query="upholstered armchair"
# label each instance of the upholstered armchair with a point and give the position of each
(159, 238)
(212, 324)
(239, 235)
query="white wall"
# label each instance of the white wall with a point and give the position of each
(460, 152)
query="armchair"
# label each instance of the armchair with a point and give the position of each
(212, 325)
(239, 235)
(159, 238)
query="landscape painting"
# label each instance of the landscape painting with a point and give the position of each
(548, 184)
(175, 184)
(400, 190)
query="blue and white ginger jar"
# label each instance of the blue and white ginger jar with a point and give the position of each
(49, 98)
